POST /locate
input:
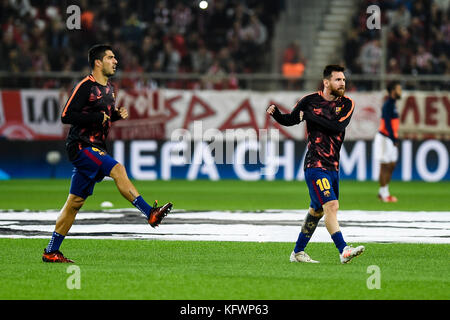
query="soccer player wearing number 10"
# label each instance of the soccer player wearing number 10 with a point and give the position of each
(327, 113)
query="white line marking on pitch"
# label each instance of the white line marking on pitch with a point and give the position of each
(357, 226)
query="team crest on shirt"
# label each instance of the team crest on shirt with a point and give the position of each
(98, 151)
(338, 109)
(327, 193)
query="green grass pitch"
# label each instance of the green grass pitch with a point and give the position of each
(197, 270)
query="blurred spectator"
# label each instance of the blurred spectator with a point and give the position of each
(351, 46)
(168, 60)
(201, 60)
(293, 65)
(256, 31)
(424, 60)
(181, 17)
(393, 67)
(370, 57)
(400, 17)
(215, 76)
(293, 62)
(148, 54)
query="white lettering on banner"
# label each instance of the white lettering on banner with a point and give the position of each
(357, 158)
(301, 172)
(170, 157)
(119, 152)
(202, 162)
(375, 165)
(239, 160)
(41, 111)
(406, 160)
(275, 160)
(138, 160)
(442, 162)
(146, 166)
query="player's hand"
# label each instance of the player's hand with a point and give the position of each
(105, 117)
(123, 112)
(271, 109)
(301, 116)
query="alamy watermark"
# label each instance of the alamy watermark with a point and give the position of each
(74, 280)
(374, 20)
(73, 21)
(231, 146)
(374, 280)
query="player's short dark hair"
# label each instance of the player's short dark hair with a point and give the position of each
(391, 85)
(329, 69)
(97, 51)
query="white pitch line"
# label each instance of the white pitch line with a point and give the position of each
(357, 226)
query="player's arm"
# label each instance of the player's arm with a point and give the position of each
(335, 125)
(288, 119)
(72, 112)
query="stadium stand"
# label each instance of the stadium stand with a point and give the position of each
(418, 41)
(166, 36)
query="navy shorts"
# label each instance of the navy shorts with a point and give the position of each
(90, 167)
(323, 186)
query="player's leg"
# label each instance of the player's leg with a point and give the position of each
(346, 252)
(384, 179)
(128, 191)
(387, 155)
(68, 213)
(123, 183)
(330, 208)
(312, 218)
(308, 227)
(81, 187)
(63, 224)
(332, 224)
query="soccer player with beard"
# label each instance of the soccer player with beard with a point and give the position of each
(386, 141)
(327, 113)
(90, 110)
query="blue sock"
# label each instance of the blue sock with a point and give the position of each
(339, 241)
(55, 242)
(301, 243)
(143, 206)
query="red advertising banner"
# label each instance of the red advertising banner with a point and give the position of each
(157, 114)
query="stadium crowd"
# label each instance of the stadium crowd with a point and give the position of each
(163, 36)
(418, 40)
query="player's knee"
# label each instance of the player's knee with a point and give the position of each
(75, 203)
(316, 213)
(331, 206)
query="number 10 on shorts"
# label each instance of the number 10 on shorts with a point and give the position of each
(323, 184)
